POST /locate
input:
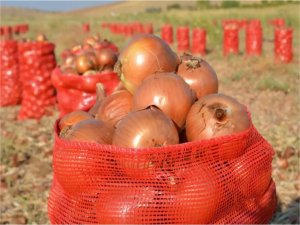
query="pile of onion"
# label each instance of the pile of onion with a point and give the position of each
(163, 100)
(91, 57)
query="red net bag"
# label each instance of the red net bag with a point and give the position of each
(254, 34)
(37, 60)
(86, 27)
(167, 33)
(76, 92)
(183, 39)
(190, 183)
(199, 41)
(10, 86)
(283, 44)
(230, 39)
(148, 28)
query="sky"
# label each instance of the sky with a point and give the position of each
(64, 5)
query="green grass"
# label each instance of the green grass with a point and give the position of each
(273, 84)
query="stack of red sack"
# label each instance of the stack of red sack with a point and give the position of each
(10, 87)
(36, 60)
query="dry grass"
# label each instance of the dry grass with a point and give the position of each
(271, 92)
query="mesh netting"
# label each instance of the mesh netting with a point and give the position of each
(199, 41)
(10, 86)
(76, 92)
(36, 62)
(190, 183)
(183, 39)
(254, 38)
(167, 33)
(283, 44)
(230, 39)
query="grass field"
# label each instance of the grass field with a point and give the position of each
(271, 92)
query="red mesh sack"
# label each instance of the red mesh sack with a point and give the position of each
(230, 39)
(36, 62)
(183, 39)
(76, 92)
(283, 44)
(10, 86)
(167, 33)
(254, 34)
(86, 27)
(199, 41)
(190, 183)
(148, 28)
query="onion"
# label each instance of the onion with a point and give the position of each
(70, 60)
(100, 95)
(114, 107)
(199, 75)
(41, 37)
(72, 118)
(167, 91)
(91, 130)
(91, 40)
(92, 56)
(106, 59)
(216, 115)
(76, 48)
(89, 73)
(145, 129)
(197, 197)
(144, 55)
(84, 63)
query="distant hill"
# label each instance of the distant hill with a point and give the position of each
(130, 7)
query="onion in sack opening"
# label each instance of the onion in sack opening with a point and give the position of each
(144, 55)
(100, 95)
(84, 63)
(91, 130)
(167, 91)
(114, 107)
(146, 128)
(67, 121)
(217, 115)
(106, 59)
(198, 74)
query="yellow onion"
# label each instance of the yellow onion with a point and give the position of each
(167, 91)
(114, 107)
(92, 131)
(198, 74)
(144, 55)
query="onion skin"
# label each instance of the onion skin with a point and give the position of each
(145, 129)
(144, 55)
(70, 61)
(92, 131)
(114, 107)
(167, 91)
(216, 115)
(106, 59)
(72, 118)
(100, 95)
(84, 63)
(41, 38)
(198, 74)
